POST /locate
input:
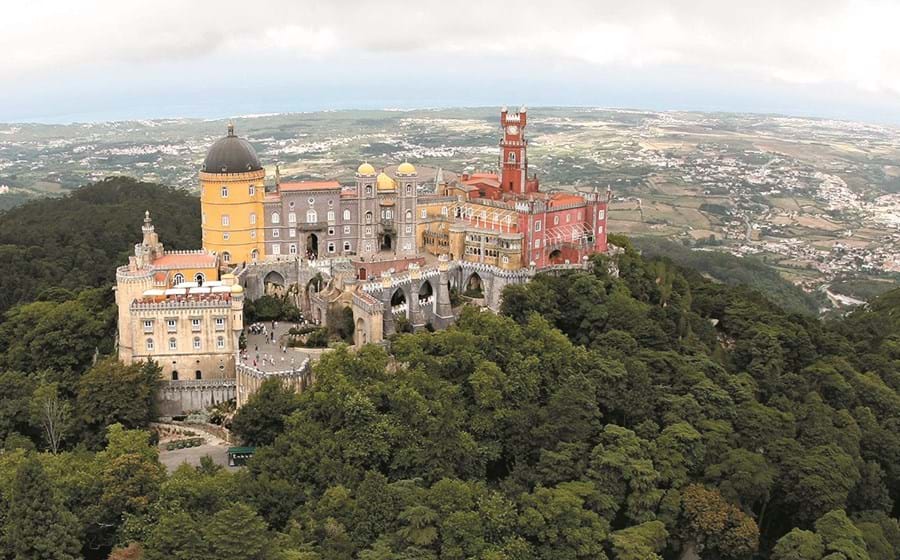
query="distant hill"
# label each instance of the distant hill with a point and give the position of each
(733, 270)
(77, 241)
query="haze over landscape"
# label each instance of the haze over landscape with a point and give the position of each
(104, 60)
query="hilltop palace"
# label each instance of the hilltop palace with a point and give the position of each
(389, 246)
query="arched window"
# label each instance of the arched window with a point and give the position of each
(292, 218)
(178, 278)
(276, 218)
(199, 278)
(252, 218)
(408, 190)
(196, 343)
(389, 214)
(220, 342)
(512, 157)
(331, 215)
(368, 190)
(224, 192)
(368, 217)
(252, 190)
(226, 256)
(346, 215)
(173, 344)
(149, 345)
(311, 216)
(254, 254)
(409, 215)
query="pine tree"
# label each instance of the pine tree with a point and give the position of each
(40, 527)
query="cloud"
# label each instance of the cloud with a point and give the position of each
(845, 42)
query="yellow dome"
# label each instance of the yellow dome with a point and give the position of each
(237, 289)
(384, 183)
(406, 168)
(365, 169)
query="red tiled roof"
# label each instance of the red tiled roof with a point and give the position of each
(203, 260)
(309, 186)
(560, 199)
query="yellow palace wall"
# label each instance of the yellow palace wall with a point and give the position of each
(240, 205)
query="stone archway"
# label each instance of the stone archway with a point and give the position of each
(312, 246)
(555, 257)
(426, 294)
(399, 303)
(274, 284)
(387, 242)
(362, 336)
(474, 286)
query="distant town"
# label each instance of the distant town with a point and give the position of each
(817, 199)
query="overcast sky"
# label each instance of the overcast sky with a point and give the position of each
(113, 59)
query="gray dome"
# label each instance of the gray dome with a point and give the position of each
(231, 155)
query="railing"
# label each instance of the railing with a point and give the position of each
(298, 371)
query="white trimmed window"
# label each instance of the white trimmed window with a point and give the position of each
(346, 245)
(226, 221)
(195, 325)
(311, 216)
(346, 230)
(220, 323)
(556, 220)
(408, 228)
(444, 211)
(275, 233)
(226, 236)
(276, 249)
(224, 192)
(346, 215)
(173, 344)
(178, 278)
(220, 342)
(171, 325)
(292, 217)
(276, 218)
(424, 212)
(196, 343)
(331, 246)
(292, 248)
(292, 232)
(148, 325)
(537, 243)
(601, 214)
(252, 218)
(537, 225)
(599, 229)
(149, 345)
(252, 190)
(409, 216)
(331, 215)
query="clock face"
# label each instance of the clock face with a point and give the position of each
(512, 129)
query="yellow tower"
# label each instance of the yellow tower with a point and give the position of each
(232, 189)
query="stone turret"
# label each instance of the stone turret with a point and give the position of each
(386, 292)
(443, 311)
(416, 317)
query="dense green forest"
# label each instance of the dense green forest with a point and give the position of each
(649, 414)
(735, 271)
(77, 242)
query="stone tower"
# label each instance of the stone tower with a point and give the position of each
(407, 193)
(367, 243)
(232, 189)
(513, 162)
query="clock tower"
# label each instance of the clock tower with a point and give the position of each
(513, 155)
